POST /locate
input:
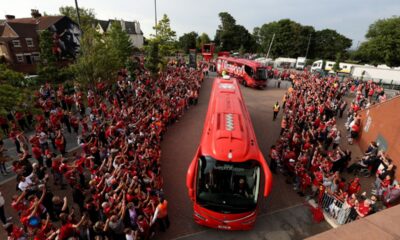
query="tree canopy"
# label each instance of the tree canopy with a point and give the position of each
(291, 40)
(98, 60)
(383, 43)
(188, 41)
(13, 98)
(153, 57)
(166, 37)
(202, 39)
(9, 76)
(329, 43)
(87, 16)
(231, 36)
(118, 43)
(47, 67)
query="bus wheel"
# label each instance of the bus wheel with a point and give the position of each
(244, 83)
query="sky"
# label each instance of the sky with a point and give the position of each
(349, 17)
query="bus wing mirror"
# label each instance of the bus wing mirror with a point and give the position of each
(267, 176)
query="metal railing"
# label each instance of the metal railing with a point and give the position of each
(337, 209)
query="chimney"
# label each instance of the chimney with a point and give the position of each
(10, 17)
(35, 13)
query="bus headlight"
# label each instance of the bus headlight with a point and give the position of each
(196, 214)
(249, 222)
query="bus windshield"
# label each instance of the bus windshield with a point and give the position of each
(227, 187)
(261, 74)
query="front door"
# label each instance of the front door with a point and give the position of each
(28, 59)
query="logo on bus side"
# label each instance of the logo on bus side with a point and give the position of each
(226, 86)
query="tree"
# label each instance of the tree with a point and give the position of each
(97, 60)
(328, 43)
(188, 41)
(202, 39)
(336, 67)
(12, 98)
(165, 38)
(87, 16)
(245, 39)
(291, 38)
(383, 43)
(153, 59)
(8, 76)
(118, 42)
(257, 39)
(47, 67)
(230, 36)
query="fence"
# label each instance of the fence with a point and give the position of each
(337, 209)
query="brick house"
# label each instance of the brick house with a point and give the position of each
(19, 39)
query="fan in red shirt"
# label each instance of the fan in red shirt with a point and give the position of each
(363, 208)
(60, 143)
(37, 153)
(69, 229)
(354, 186)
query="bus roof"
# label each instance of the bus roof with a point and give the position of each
(228, 132)
(242, 61)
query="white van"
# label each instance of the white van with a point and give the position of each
(300, 63)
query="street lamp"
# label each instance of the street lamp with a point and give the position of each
(77, 13)
(155, 15)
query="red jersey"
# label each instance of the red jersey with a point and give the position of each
(66, 231)
(364, 210)
(36, 151)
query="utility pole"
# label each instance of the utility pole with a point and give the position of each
(155, 15)
(308, 45)
(77, 13)
(270, 45)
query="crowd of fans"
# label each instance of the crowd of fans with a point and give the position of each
(308, 151)
(115, 180)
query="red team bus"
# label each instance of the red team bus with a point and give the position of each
(250, 73)
(223, 179)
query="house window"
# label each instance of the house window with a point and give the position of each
(20, 58)
(36, 56)
(29, 42)
(16, 43)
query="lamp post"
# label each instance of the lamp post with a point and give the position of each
(270, 45)
(77, 13)
(308, 45)
(155, 15)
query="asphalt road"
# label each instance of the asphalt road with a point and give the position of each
(178, 149)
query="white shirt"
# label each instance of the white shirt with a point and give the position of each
(25, 184)
(129, 236)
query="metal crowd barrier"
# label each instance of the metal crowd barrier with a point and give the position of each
(337, 209)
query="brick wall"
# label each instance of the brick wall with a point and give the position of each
(381, 123)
